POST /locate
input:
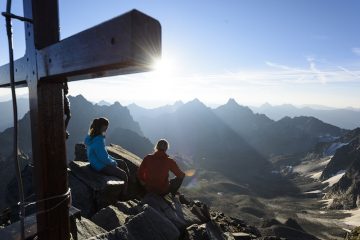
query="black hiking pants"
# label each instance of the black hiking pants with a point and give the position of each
(120, 171)
(175, 184)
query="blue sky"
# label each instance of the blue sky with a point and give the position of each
(277, 51)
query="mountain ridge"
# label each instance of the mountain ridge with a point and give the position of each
(347, 118)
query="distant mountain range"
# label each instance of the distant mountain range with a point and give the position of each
(6, 117)
(139, 112)
(348, 118)
(194, 130)
(24, 138)
(266, 136)
(230, 135)
(123, 129)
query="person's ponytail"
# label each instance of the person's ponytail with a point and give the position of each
(96, 125)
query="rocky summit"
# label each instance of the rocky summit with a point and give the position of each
(144, 216)
(97, 212)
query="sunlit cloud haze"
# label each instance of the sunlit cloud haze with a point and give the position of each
(276, 83)
(304, 52)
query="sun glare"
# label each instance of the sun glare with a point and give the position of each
(163, 66)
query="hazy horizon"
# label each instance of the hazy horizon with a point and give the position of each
(5, 98)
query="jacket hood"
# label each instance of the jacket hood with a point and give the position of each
(89, 140)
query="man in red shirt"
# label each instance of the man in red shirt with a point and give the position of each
(154, 170)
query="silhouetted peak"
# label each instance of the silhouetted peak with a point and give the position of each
(234, 106)
(193, 105)
(79, 98)
(285, 119)
(178, 103)
(195, 102)
(287, 106)
(116, 104)
(232, 101)
(104, 103)
(133, 105)
(266, 105)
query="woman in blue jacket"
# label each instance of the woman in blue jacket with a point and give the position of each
(99, 158)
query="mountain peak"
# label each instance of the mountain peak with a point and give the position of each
(80, 99)
(193, 105)
(195, 101)
(232, 101)
(117, 104)
(233, 105)
(103, 103)
(178, 103)
(266, 105)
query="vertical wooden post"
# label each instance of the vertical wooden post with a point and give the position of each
(48, 131)
(50, 165)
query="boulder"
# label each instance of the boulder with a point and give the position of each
(82, 196)
(196, 221)
(210, 231)
(93, 190)
(167, 209)
(196, 232)
(146, 225)
(232, 225)
(131, 159)
(87, 229)
(354, 234)
(130, 207)
(242, 236)
(135, 189)
(109, 218)
(271, 238)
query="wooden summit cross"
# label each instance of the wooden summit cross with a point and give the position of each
(126, 44)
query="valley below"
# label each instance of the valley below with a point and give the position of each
(296, 210)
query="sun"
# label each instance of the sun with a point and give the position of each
(163, 66)
(164, 73)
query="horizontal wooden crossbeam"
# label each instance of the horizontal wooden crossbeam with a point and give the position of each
(21, 74)
(126, 44)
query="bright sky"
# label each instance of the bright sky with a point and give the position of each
(256, 51)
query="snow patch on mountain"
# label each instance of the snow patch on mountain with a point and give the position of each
(334, 179)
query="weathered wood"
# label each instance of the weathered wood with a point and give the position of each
(51, 165)
(126, 44)
(47, 126)
(93, 179)
(11, 232)
(21, 75)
